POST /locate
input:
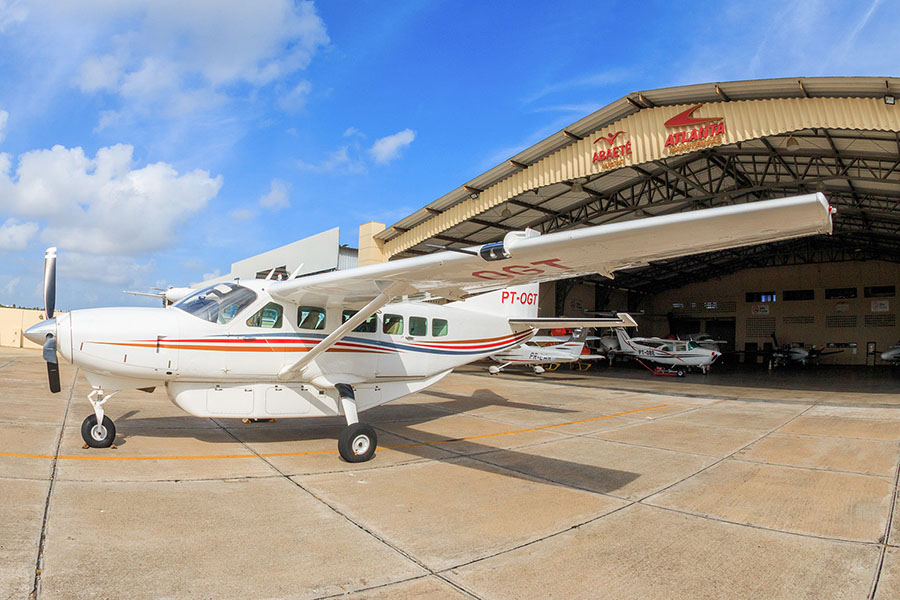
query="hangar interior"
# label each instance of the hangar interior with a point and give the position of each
(679, 149)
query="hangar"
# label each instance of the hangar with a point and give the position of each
(678, 149)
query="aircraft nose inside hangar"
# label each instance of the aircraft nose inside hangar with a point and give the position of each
(678, 149)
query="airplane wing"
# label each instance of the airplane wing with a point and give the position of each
(527, 257)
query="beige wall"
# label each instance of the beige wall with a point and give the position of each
(13, 321)
(813, 322)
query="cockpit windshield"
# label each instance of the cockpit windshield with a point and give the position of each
(218, 303)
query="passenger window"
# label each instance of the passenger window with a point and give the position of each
(370, 325)
(439, 327)
(268, 317)
(393, 325)
(418, 326)
(311, 317)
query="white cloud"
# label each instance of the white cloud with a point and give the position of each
(242, 214)
(338, 161)
(164, 48)
(277, 198)
(386, 149)
(11, 13)
(103, 205)
(108, 270)
(353, 132)
(295, 100)
(10, 287)
(15, 235)
(4, 119)
(207, 276)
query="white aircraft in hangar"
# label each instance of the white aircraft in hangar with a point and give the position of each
(343, 342)
(568, 350)
(679, 355)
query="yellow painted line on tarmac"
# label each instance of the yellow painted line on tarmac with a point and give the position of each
(313, 452)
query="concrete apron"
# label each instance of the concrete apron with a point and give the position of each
(501, 487)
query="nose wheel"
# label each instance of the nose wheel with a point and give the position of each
(98, 435)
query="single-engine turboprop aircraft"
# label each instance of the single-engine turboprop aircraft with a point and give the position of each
(892, 354)
(680, 355)
(568, 351)
(342, 342)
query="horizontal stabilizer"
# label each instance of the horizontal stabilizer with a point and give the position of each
(620, 320)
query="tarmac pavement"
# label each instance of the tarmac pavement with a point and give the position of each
(567, 485)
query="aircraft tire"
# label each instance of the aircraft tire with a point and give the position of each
(95, 437)
(680, 372)
(357, 443)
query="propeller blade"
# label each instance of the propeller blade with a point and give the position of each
(52, 363)
(53, 377)
(50, 281)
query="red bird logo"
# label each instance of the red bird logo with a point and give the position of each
(684, 119)
(610, 138)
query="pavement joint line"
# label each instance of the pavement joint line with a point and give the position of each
(759, 527)
(408, 556)
(540, 539)
(808, 468)
(254, 454)
(885, 538)
(39, 559)
(400, 582)
(7, 363)
(727, 456)
(836, 437)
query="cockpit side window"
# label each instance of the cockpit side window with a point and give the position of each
(218, 303)
(370, 325)
(269, 316)
(311, 317)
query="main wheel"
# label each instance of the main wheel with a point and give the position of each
(357, 443)
(680, 372)
(95, 436)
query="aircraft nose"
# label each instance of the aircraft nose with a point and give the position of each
(37, 333)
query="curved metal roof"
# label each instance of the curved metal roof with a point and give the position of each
(854, 159)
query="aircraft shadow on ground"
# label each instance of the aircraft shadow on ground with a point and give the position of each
(399, 421)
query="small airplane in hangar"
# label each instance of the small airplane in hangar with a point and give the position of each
(892, 354)
(784, 355)
(679, 355)
(568, 350)
(342, 342)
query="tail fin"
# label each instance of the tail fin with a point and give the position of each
(575, 345)
(623, 337)
(520, 301)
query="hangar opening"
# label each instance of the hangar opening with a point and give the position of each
(678, 149)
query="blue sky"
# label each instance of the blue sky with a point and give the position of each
(157, 141)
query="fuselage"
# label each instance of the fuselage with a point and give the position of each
(240, 338)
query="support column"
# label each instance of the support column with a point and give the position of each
(371, 250)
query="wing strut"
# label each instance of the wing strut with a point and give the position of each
(392, 291)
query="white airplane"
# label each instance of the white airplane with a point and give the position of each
(680, 355)
(342, 342)
(567, 351)
(704, 340)
(892, 354)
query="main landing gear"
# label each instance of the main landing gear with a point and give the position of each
(98, 430)
(358, 440)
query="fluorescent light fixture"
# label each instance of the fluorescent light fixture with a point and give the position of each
(889, 99)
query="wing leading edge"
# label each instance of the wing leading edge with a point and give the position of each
(526, 257)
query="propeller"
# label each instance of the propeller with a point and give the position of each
(45, 332)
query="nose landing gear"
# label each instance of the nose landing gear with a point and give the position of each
(98, 430)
